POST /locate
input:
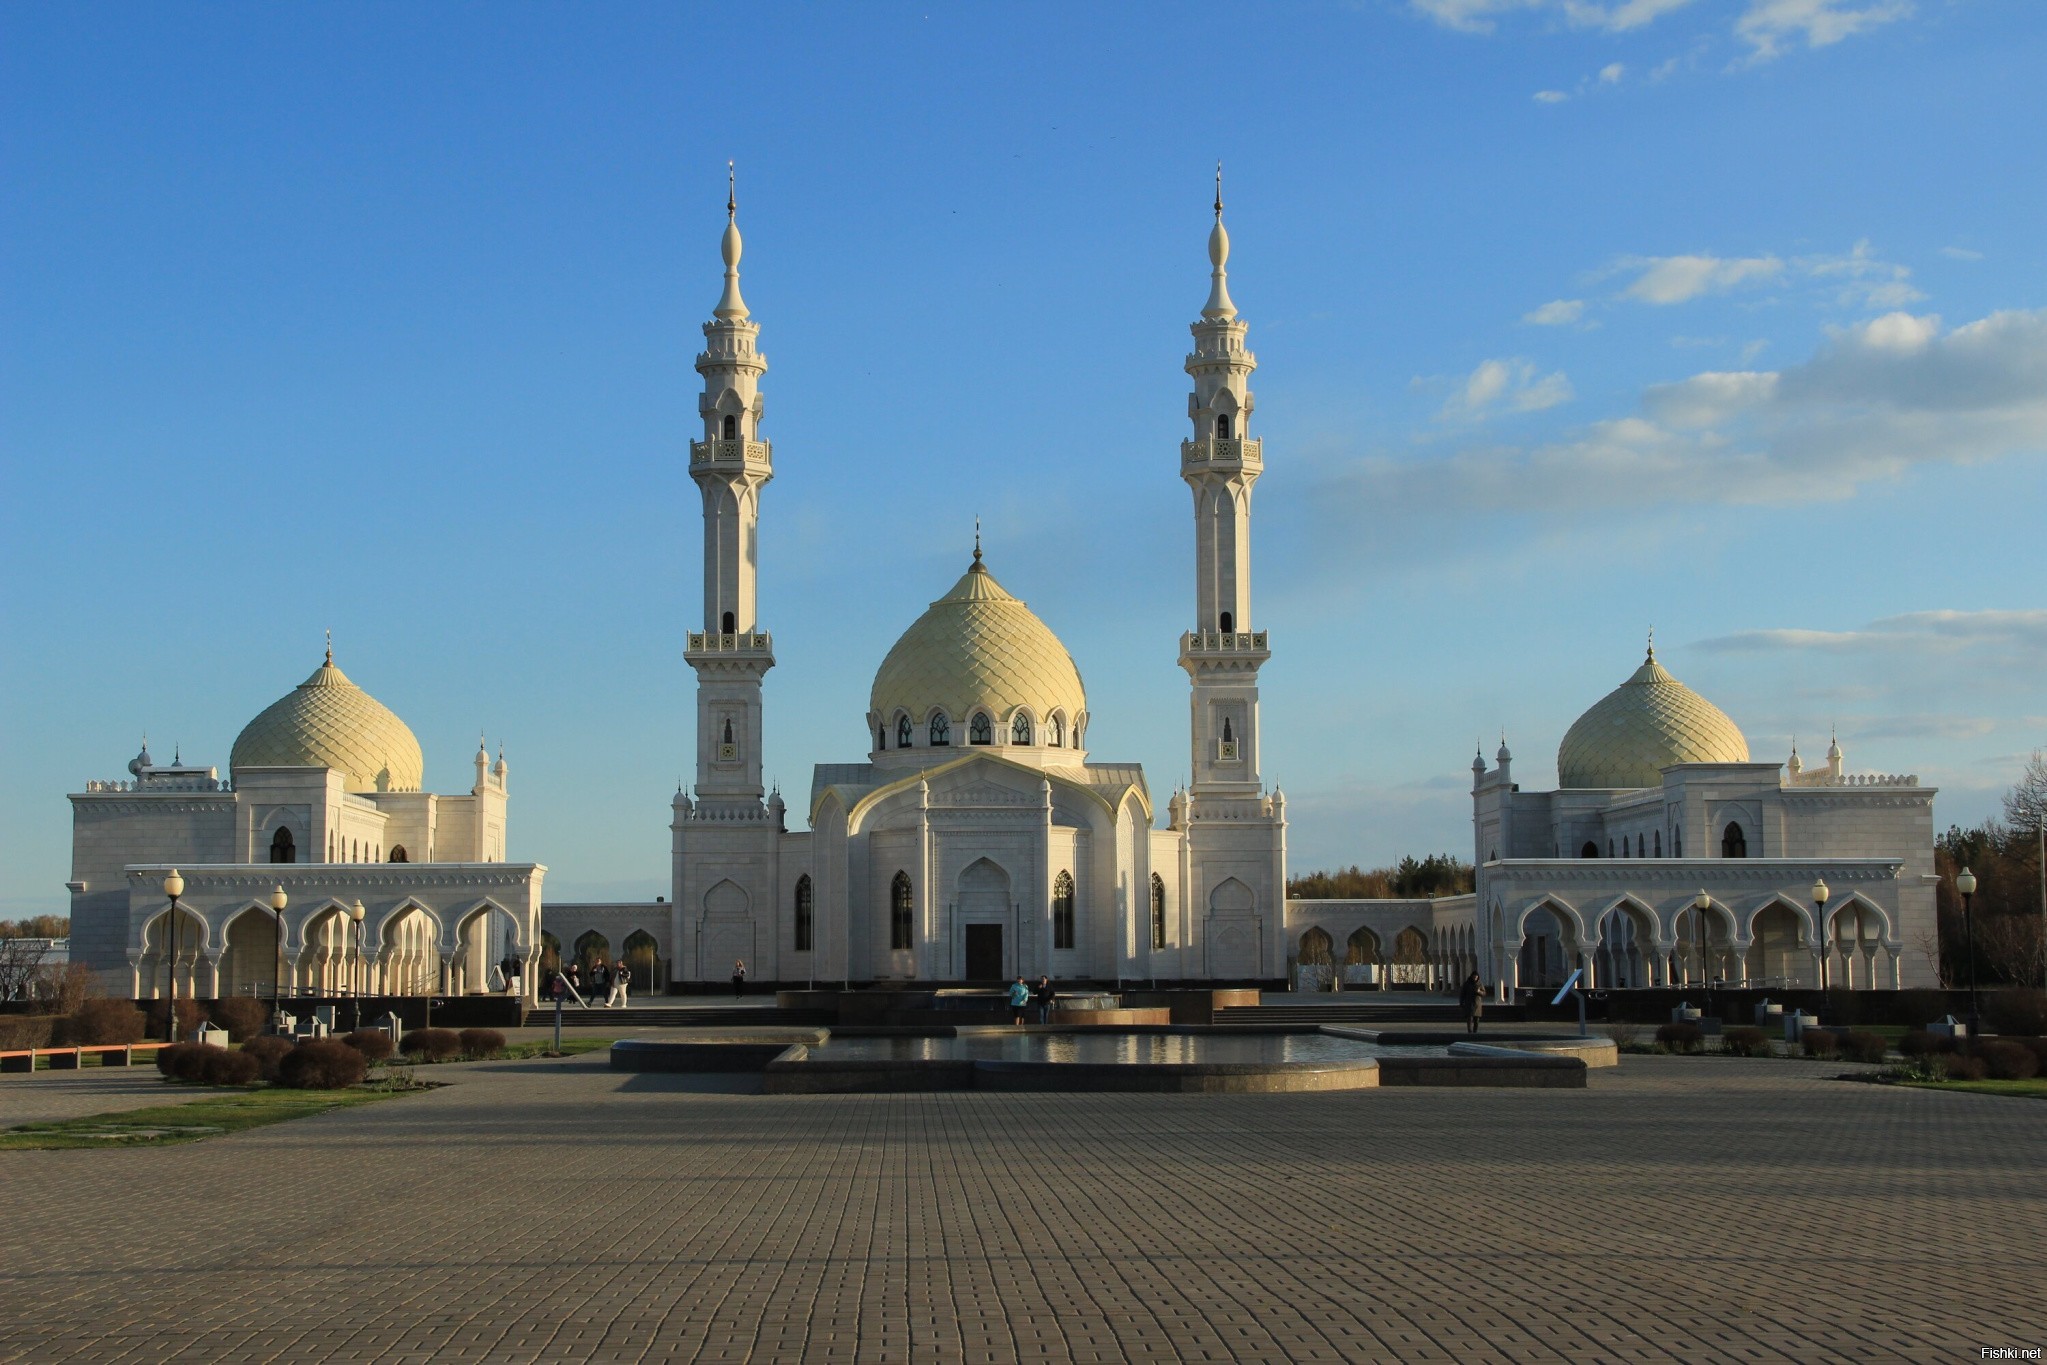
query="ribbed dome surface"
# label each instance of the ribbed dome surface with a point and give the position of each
(1641, 727)
(978, 647)
(329, 722)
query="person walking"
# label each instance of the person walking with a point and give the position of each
(513, 969)
(621, 984)
(1042, 996)
(574, 978)
(1471, 999)
(600, 979)
(738, 977)
(1019, 1001)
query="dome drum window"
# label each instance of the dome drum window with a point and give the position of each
(980, 730)
(941, 730)
(1020, 729)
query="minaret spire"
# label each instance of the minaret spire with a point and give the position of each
(731, 307)
(1219, 308)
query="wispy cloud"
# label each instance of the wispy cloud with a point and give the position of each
(1556, 313)
(1512, 385)
(1679, 279)
(1864, 280)
(1768, 28)
(1945, 631)
(1550, 97)
(1773, 27)
(1483, 16)
(1961, 253)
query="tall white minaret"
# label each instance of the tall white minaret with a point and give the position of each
(730, 465)
(1223, 652)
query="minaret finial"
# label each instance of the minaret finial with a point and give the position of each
(330, 649)
(1652, 644)
(1218, 308)
(1218, 190)
(977, 542)
(731, 307)
(731, 192)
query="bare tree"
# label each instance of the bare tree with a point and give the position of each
(21, 963)
(2025, 805)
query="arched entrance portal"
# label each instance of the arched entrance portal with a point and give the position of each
(984, 915)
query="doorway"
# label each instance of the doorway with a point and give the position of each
(984, 952)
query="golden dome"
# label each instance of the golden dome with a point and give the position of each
(978, 648)
(1643, 726)
(329, 722)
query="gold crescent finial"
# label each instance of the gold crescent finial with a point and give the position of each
(1652, 643)
(977, 540)
(1218, 191)
(330, 648)
(731, 191)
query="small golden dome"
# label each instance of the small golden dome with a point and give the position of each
(978, 648)
(329, 722)
(1643, 726)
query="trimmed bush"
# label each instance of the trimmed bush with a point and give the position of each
(26, 1030)
(169, 1060)
(1745, 1042)
(2039, 1046)
(2008, 1060)
(224, 1066)
(482, 1042)
(2016, 1011)
(1958, 1067)
(373, 1043)
(1676, 1036)
(1857, 1046)
(195, 1062)
(268, 1050)
(191, 1014)
(434, 1044)
(242, 1016)
(1819, 1042)
(322, 1064)
(1917, 1043)
(101, 1023)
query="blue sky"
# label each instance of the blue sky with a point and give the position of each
(1727, 317)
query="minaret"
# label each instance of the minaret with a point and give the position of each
(1222, 654)
(730, 465)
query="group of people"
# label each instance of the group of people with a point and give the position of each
(612, 980)
(1025, 999)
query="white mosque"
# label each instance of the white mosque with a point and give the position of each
(977, 840)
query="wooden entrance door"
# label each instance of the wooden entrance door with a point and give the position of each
(984, 952)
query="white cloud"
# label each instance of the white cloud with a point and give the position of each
(1610, 74)
(1865, 280)
(1556, 313)
(1471, 16)
(1678, 279)
(1960, 253)
(1510, 385)
(1550, 97)
(1769, 26)
(1915, 634)
(1875, 401)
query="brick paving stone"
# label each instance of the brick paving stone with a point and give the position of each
(1678, 1210)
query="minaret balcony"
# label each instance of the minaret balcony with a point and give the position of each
(1224, 642)
(1210, 452)
(736, 455)
(743, 642)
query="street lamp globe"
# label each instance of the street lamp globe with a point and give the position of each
(1820, 892)
(278, 900)
(1966, 883)
(356, 912)
(1702, 902)
(174, 885)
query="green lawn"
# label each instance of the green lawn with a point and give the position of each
(571, 1047)
(220, 1111)
(2035, 1089)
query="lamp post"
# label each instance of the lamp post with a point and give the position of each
(356, 913)
(173, 887)
(278, 900)
(1966, 884)
(1819, 918)
(1702, 904)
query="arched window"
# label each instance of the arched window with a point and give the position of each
(398, 854)
(1158, 911)
(803, 913)
(731, 427)
(902, 732)
(1733, 843)
(1020, 729)
(1229, 735)
(728, 729)
(900, 913)
(1055, 730)
(941, 730)
(881, 737)
(1609, 848)
(980, 730)
(1591, 850)
(1641, 849)
(1677, 843)
(1222, 425)
(1229, 623)
(281, 847)
(1062, 911)
(1659, 843)
(728, 623)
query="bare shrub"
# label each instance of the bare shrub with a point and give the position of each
(268, 1050)
(100, 1023)
(224, 1066)
(242, 1016)
(322, 1064)
(191, 1014)
(1745, 1042)
(2007, 1060)
(63, 987)
(1819, 1042)
(1624, 1032)
(1678, 1036)
(1858, 1046)
(433, 1044)
(19, 1031)
(482, 1042)
(1957, 1066)
(373, 1043)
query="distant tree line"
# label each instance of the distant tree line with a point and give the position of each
(2004, 853)
(1439, 874)
(37, 926)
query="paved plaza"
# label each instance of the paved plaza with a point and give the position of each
(1698, 1210)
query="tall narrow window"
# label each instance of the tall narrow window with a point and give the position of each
(881, 737)
(728, 623)
(1062, 911)
(980, 730)
(803, 913)
(398, 853)
(1658, 846)
(900, 912)
(1055, 729)
(728, 729)
(1609, 848)
(1641, 851)
(281, 848)
(1733, 843)
(1158, 911)
(1020, 729)
(731, 427)
(1229, 735)
(902, 732)
(1229, 623)
(941, 730)
(1222, 425)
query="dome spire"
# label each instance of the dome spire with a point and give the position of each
(1218, 308)
(330, 648)
(731, 307)
(1652, 646)
(977, 566)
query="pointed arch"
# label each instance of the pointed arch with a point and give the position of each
(1232, 896)
(727, 899)
(1055, 730)
(939, 729)
(1020, 728)
(902, 910)
(1808, 932)
(1850, 903)
(980, 729)
(805, 913)
(1062, 910)
(905, 730)
(1158, 912)
(1316, 948)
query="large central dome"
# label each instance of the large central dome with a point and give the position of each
(1642, 727)
(329, 722)
(978, 649)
